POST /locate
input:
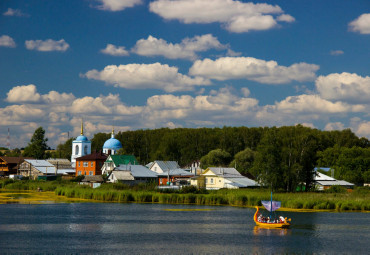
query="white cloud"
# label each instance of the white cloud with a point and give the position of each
(47, 45)
(14, 12)
(7, 41)
(334, 126)
(116, 5)
(235, 16)
(361, 24)
(115, 50)
(23, 93)
(262, 71)
(346, 87)
(185, 50)
(363, 129)
(144, 76)
(336, 52)
(286, 18)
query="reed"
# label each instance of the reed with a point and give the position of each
(358, 200)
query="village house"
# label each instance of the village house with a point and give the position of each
(114, 161)
(162, 166)
(174, 176)
(90, 164)
(214, 178)
(63, 167)
(10, 165)
(94, 181)
(34, 168)
(132, 174)
(323, 182)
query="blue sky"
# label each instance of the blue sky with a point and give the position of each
(138, 64)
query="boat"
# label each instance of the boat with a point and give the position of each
(271, 206)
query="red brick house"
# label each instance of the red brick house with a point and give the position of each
(90, 164)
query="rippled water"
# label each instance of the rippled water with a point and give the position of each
(173, 229)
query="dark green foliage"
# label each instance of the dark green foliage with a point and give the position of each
(37, 146)
(215, 158)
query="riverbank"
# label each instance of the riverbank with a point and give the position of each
(358, 200)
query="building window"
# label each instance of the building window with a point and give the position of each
(86, 164)
(92, 164)
(79, 163)
(206, 180)
(211, 180)
(79, 173)
(91, 173)
(85, 149)
(76, 150)
(161, 180)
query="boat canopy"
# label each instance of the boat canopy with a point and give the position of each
(271, 205)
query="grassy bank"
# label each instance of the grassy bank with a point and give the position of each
(358, 200)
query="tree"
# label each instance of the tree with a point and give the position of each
(216, 157)
(64, 150)
(267, 165)
(243, 160)
(37, 146)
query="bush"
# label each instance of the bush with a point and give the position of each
(336, 189)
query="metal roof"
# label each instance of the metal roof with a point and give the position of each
(242, 182)
(322, 177)
(177, 172)
(333, 183)
(41, 165)
(225, 171)
(165, 165)
(122, 160)
(137, 171)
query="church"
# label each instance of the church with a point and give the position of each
(81, 147)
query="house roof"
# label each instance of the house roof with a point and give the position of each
(137, 171)
(176, 172)
(93, 178)
(13, 160)
(242, 182)
(123, 160)
(61, 163)
(322, 177)
(165, 165)
(333, 183)
(94, 156)
(123, 175)
(225, 171)
(41, 165)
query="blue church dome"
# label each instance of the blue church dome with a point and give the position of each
(81, 138)
(112, 143)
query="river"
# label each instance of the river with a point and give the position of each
(112, 228)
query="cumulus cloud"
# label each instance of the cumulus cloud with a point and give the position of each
(144, 76)
(361, 24)
(7, 41)
(185, 50)
(336, 52)
(262, 71)
(334, 126)
(14, 12)
(116, 5)
(47, 45)
(115, 50)
(346, 87)
(23, 93)
(235, 16)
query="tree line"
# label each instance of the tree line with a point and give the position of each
(280, 157)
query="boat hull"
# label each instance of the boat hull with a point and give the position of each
(284, 224)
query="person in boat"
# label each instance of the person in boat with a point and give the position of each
(281, 218)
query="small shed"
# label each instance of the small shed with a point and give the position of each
(132, 174)
(93, 181)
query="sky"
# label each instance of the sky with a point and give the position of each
(146, 64)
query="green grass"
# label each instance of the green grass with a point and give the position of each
(358, 200)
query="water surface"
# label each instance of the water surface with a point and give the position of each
(173, 229)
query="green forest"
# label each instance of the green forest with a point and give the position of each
(281, 157)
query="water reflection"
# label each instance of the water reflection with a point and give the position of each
(261, 231)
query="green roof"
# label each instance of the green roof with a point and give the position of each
(124, 159)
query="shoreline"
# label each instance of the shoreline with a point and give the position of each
(8, 196)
